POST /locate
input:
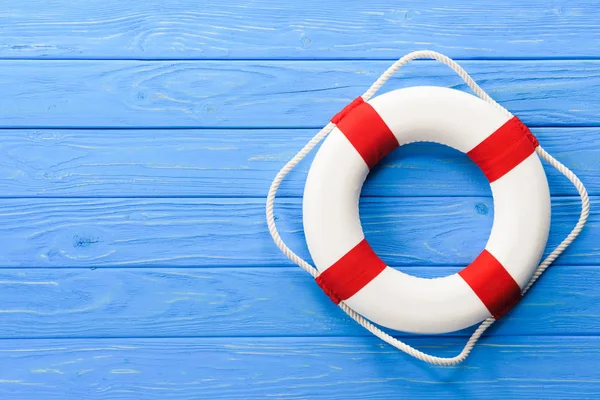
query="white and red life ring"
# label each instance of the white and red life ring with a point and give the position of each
(351, 271)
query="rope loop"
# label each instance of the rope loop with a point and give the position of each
(422, 54)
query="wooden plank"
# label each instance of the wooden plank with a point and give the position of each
(269, 94)
(131, 163)
(296, 368)
(308, 29)
(233, 232)
(245, 302)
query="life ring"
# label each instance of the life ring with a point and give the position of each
(350, 271)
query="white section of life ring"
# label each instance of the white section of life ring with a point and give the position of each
(397, 300)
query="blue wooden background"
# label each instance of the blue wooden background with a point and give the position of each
(137, 143)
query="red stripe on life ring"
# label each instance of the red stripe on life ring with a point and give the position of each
(504, 149)
(351, 272)
(366, 131)
(494, 286)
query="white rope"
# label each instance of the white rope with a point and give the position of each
(585, 209)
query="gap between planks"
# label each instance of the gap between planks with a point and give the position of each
(220, 127)
(283, 59)
(407, 337)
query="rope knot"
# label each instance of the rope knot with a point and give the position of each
(327, 290)
(525, 129)
(346, 110)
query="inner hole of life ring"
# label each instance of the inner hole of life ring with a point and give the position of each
(427, 210)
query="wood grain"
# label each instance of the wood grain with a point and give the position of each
(269, 94)
(308, 29)
(225, 302)
(233, 232)
(519, 367)
(239, 163)
(137, 142)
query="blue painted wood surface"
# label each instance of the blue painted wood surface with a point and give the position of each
(298, 94)
(234, 29)
(137, 143)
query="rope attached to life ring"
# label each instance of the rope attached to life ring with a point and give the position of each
(585, 209)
